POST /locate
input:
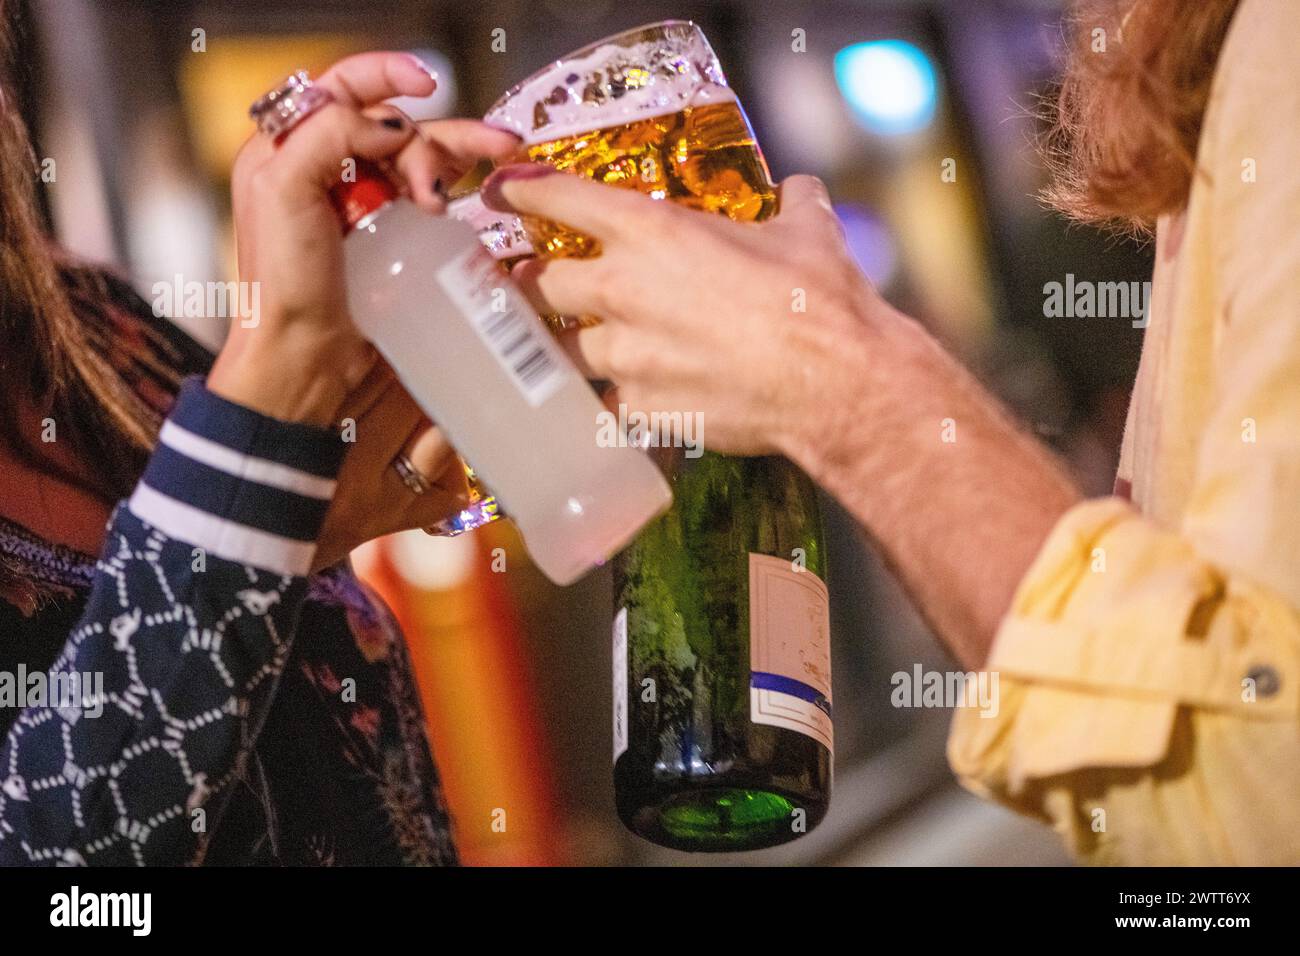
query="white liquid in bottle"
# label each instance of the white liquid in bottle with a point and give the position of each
(474, 355)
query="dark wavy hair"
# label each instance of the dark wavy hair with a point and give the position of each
(56, 339)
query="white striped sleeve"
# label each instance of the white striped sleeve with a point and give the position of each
(238, 484)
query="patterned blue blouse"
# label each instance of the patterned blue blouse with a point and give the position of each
(194, 696)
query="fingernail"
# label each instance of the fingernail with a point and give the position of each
(392, 122)
(491, 191)
(424, 67)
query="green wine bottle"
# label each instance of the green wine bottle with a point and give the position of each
(722, 721)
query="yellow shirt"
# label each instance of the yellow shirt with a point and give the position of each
(1149, 667)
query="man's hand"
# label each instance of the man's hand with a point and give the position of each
(773, 334)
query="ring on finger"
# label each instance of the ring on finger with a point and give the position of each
(287, 105)
(410, 475)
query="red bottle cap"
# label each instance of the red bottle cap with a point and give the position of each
(356, 200)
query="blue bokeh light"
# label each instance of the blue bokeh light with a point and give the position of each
(890, 85)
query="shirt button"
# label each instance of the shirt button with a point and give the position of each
(1267, 682)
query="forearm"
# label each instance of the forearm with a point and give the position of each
(957, 498)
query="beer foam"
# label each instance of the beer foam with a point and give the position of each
(646, 72)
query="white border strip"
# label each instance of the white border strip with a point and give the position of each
(235, 463)
(225, 539)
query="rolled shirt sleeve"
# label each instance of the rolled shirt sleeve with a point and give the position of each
(1149, 667)
(1146, 704)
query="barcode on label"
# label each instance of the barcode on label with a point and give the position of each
(505, 323)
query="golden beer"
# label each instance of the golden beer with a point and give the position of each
(704, 157)
(648, 110)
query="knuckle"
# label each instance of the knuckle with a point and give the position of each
(620, 360)
(817, 188)
(812, 186)
(342, 132)
(602, 290)
(650, 362)
(657, 216)
(330, 130)
(258, 185)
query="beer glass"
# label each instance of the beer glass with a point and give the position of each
(648, 109)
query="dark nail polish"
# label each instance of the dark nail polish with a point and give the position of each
(491, 190)
(392, 122)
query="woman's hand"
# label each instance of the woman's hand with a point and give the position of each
(371, 500)
(301, 357)
(701, 314)
(303, 360)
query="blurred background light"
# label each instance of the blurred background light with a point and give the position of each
(808, 119)
(890, 85)
(869, 240)
(433, 563)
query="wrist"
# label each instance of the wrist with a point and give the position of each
(827, 363)
(239, 484)
(279, 380)
(955, 495)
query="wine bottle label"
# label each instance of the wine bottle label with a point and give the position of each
(620, 682)
(505, 322)
(789, 648)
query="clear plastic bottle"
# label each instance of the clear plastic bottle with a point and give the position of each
(474, 355)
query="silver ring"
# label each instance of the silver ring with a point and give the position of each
(411, 477)
(288, 104)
